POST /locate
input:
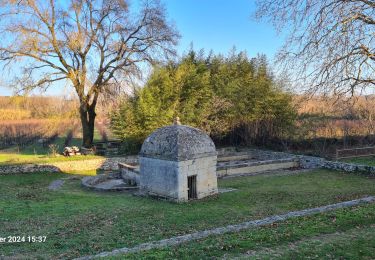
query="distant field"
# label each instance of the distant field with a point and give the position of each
(25, 132)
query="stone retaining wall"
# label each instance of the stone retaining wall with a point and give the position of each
(27, 168)
(129, 173)
(256, 166)
(304, 162)
(241, 153)
(309, 162)
(349, 167)
(265, 155)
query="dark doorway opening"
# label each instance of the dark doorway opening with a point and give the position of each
(192, 187)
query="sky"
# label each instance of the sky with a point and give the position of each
(215, 25)
(221, 24)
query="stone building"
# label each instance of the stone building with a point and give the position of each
(178, 162)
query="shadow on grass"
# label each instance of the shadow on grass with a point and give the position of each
(40, 149)
(78, 165)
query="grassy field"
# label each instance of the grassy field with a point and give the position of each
(369, 160)
(79, 222)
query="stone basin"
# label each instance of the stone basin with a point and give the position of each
(107, 182)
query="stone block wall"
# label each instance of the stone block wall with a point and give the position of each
(130, 174)
(256, 167)
(349, 167)
(265, 155)
(305, 162)
(310, 162)
(205, 170)
(169, 178)
(27, 168)
(159, 177)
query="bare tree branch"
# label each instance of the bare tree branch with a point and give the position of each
(92, 44)
(330, 46)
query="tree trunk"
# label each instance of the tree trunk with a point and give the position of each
(88, 115)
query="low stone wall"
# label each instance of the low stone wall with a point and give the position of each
(226, 150)
(27, 168)
(265, 155)
(305, 162)
(255, 167)
(270, 160)
(236, 157)
(243, 153)
(349, 167)
(310, 162)
(106, 164)
(129, 173)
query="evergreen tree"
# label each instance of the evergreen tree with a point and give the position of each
(215, 93)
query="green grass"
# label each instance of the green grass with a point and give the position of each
(369, 160)
(79, 222)
(14, 158)
(343, 234)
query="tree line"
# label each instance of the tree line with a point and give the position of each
(234, 98)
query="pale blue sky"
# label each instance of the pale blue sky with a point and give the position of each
(221, 24)
(216, 25)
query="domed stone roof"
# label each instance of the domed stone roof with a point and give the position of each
(178, 143)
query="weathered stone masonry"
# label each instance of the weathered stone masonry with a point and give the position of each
(178, 162)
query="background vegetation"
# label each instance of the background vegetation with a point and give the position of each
(233, 98)
(236, 99)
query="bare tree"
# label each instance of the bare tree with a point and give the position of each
(330, 47)
(90, 44)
